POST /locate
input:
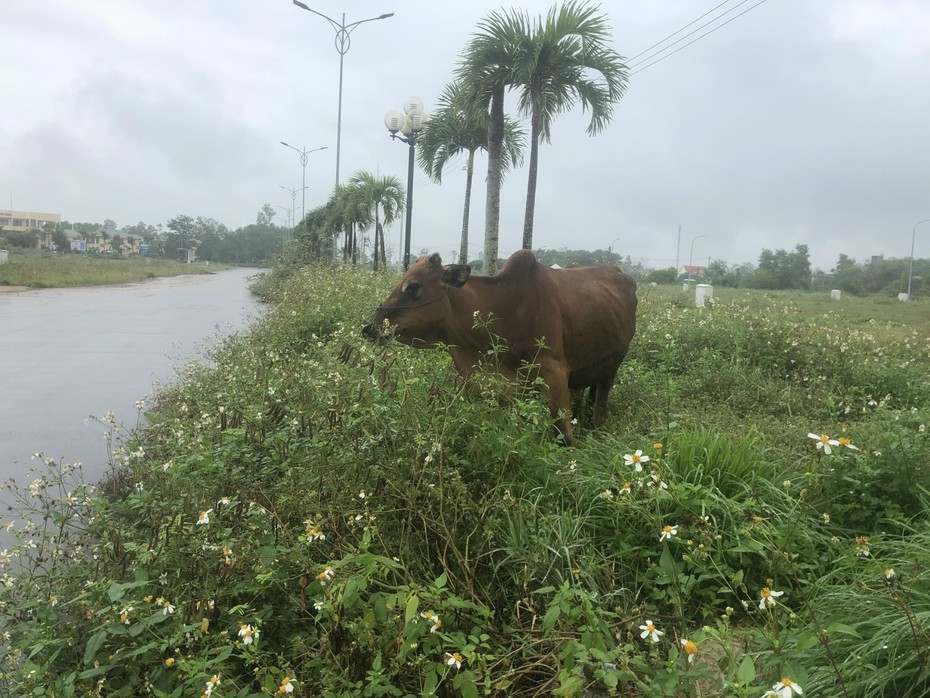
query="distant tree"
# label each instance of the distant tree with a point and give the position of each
(25, 239)
(116, 244)
(109, 225)
(849, 276)
(351, 214)
(265, 215)
(782, 270)
(60, 240)
(662, 276)
(383, 197)
(583, 258)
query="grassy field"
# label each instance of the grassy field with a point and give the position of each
(59, 271)
(314, 516)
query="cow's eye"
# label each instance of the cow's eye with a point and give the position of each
(412, 288)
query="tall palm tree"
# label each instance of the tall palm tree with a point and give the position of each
(485, 72)
(453, 130)
(378, 196)
(566, 60)
(554, 64)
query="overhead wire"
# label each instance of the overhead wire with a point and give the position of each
(632, 59)
(639, 67)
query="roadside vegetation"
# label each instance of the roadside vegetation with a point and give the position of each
(314, 516)
(50, 270)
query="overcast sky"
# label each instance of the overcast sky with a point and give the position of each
(800, 122)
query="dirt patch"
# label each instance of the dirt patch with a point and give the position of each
(14, 289)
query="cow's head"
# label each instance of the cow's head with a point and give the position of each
(418, 312)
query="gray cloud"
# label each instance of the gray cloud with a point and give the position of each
(799, 123)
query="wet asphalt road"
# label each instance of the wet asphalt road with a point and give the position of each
(68, 354)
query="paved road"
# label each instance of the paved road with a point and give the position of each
(67, 354)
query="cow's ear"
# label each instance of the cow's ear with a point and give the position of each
(456, 275)
(435, 260)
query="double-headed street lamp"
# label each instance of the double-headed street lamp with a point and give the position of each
(293, 202)
(910, 269)
(303, 152)
(343, 43)
(409, 123)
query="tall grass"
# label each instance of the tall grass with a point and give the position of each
(313, 513)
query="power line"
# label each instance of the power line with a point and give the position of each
(678, 31)
(705, 34)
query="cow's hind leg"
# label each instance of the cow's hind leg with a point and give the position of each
(599, 393)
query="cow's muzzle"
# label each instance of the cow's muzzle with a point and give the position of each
(375, 333)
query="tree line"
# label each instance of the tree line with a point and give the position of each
(782, 269)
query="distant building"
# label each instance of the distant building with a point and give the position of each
(691, 271)
(18, 221)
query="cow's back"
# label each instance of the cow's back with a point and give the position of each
(598, 307)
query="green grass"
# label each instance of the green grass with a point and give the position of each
(339, 499)
(66, 270)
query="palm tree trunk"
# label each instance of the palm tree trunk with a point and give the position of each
(495, 164)
(377, 245)
(531, 186)
(469, 174)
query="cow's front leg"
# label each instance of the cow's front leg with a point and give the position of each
(555, 379)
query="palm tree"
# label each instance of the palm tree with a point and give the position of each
(453, 130)
(485, 73)
(348, 216)
(378, 196)
(554, 64)
(566, 61)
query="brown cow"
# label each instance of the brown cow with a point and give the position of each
(574, 324)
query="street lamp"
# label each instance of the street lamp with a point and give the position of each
(303, 152)
(610, 250)
(343, 43)
(293, 202)
(691, 258)
(910, 269)
(409, 123)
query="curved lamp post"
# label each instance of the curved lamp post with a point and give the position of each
(303, 152)
(409, 123)
(691, 258)
(343, 43)
(293, 207)
(910, 269)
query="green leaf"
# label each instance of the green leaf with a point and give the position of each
(843, 629)
(747, 671)
(441, 581)
(571, 686)
(413, 605)
(737, 578)
(94, 645)
(551, 617)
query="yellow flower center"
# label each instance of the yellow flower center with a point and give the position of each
(844, 441)
(657, 446)
(765, 593)
(786, 682)
(667, 529)
(824, 438)
(650, 627)
(636, 458)
(690, 647)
